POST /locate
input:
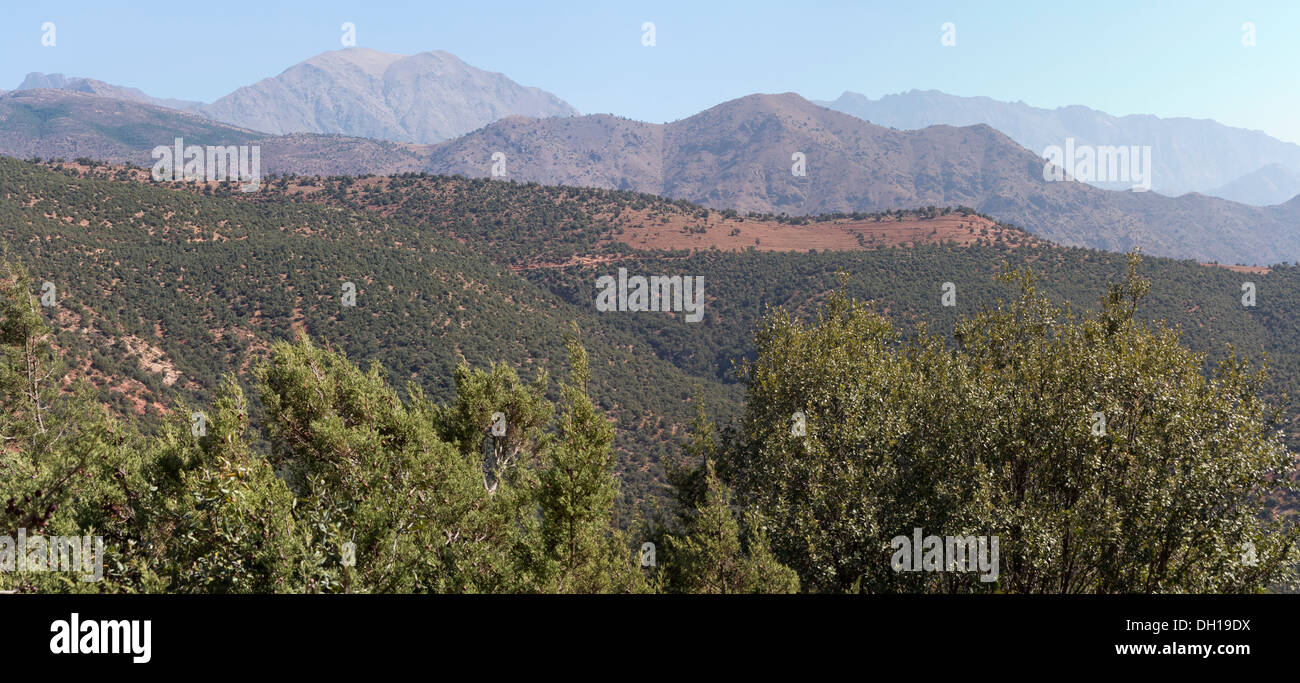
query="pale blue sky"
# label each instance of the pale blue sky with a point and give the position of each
(1164, 58)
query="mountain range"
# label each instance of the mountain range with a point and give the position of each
(1188, 155)
(364, 112)
(739, 154)
(421, 98)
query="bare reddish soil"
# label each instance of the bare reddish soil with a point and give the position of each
(1254, 270)
(681, 231)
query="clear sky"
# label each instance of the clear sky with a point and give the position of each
(1169, 58)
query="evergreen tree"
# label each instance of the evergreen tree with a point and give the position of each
(372, 471)
(229, 521)
(525, 412)
(66, 468)
(709, 557)
(581, 550)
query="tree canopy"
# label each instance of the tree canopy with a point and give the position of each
(1091, 445)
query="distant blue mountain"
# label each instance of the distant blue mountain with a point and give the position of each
(1188, 155)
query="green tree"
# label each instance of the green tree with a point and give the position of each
(372, 470)
(582, 551)
(709, 557)
(480, 395)
(229, 521)
(1003, 435)
(66, 467)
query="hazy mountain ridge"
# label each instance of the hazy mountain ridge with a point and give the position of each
(422, 98)
(736, 155)
(1188, 155)
(1272, 184)
(90, 86)
(69, 125)
(739, 155)
(434, 96)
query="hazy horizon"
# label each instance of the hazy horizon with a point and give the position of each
(1166, 59)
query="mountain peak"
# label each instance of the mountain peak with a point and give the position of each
(37, 79)
(427, 97)
(771, 99)
(787, 104)
(372, 62)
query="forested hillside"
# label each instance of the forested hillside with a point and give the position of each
(349, 343)
(160, 292)
(164, 289)
(849, 436)
(563, 238)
